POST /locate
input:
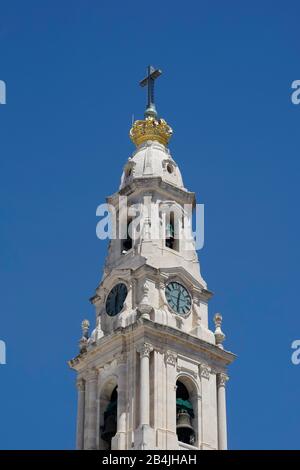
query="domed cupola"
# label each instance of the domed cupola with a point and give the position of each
(152, 159)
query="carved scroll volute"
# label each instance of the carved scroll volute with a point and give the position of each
(163, 300)
(197, 309)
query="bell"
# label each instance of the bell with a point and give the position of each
(169, 231)
(170, 236)
(183, 420)
(109, 428)
(184, 429)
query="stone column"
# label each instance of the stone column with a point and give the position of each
(222, 425)
(119, 440)
(160, 394)
(144, 435)
(209, 408)
(80, 414)
(144, 350)
(170, 403)
(198, 400)
(91, 411)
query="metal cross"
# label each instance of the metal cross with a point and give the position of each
(149, 81)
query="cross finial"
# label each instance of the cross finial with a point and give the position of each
(149, 81)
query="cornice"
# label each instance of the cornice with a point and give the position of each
(110, 346)
(153, 182)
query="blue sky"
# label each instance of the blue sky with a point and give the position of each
(72, 71)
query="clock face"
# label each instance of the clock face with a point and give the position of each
(115, 299)
(178, 298)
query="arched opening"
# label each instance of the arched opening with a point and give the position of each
(170, 168)
(108, 421)
(170, 232)
(185, 414)
(172, 223)
(126, 243)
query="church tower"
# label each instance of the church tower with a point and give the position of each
(151, 375)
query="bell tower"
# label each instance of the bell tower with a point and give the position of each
(151, 375)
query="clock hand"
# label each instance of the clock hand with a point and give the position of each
(178, 299)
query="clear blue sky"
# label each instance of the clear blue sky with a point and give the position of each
(72, 71)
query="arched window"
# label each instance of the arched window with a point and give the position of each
(126, 243)
(184, 415)
(109, 427)
(171, 219)
(170, 232)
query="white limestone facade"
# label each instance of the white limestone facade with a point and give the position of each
(133, 365)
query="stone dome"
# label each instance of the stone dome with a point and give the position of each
(152, 159)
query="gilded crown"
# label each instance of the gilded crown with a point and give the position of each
(150, 128)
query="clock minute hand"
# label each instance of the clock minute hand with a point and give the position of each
(116, 302)
(178, 299)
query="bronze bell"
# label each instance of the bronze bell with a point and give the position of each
(184, 429)
(109, 428)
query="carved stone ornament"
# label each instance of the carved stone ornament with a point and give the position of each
(85, 328)
(144, 349)
(92, 374)
(197, 310)
(110, 365)
(146, 289)
(144, 307)
(219, 335)
(122, 359)
(80, 385)
(83, 343)
(222, 379)
(204, 371)
(170, 358)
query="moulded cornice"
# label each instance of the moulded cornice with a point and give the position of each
(154, 183)
(156, 334)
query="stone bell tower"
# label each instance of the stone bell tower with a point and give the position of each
(152, 374)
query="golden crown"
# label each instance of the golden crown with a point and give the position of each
(150, 128)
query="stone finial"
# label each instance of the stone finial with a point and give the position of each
(219, 335)
(85, 334)
(144, 306)
(85, 328)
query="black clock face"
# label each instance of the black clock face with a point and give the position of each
(115, 299)
(178, 298)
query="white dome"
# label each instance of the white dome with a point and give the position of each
(152, 159)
